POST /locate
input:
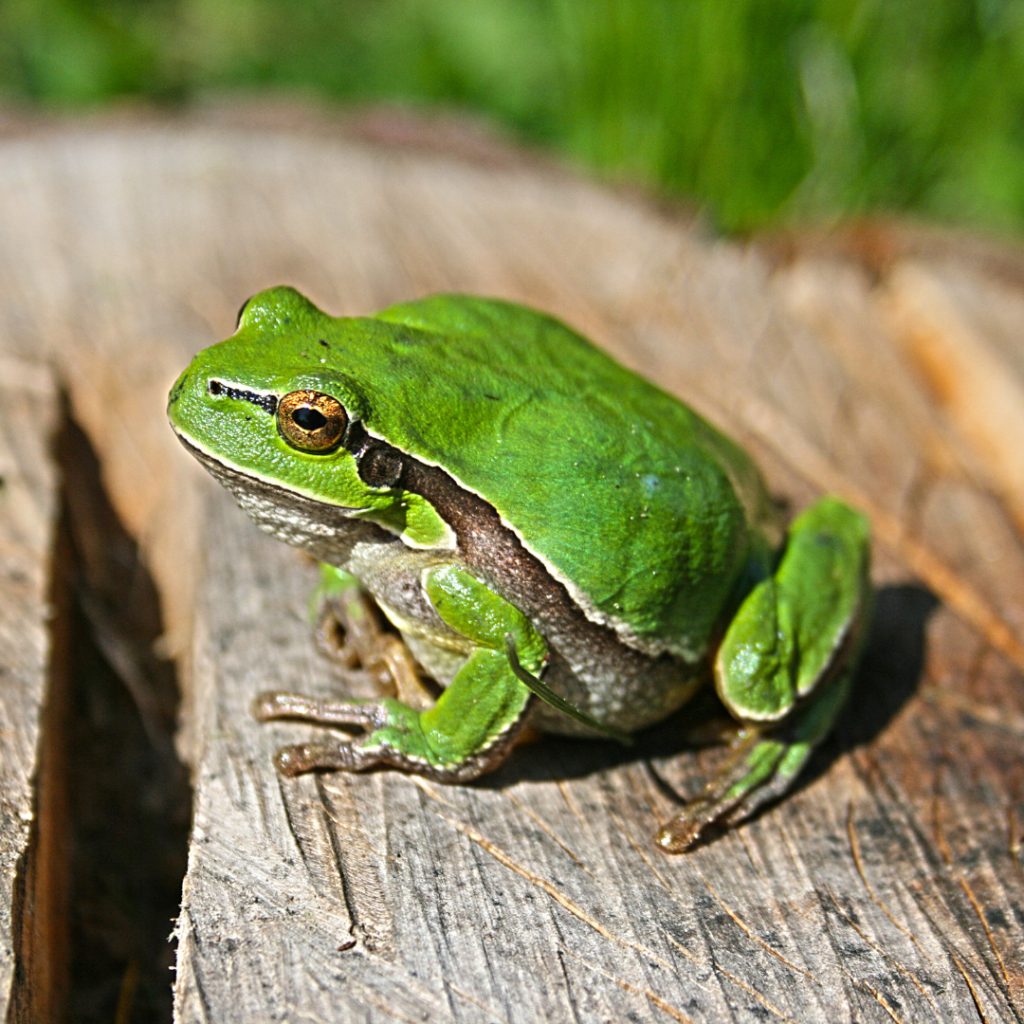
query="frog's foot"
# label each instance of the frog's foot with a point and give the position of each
(350, 631)
(300, 758)
(762, 767)
(394, 736)
(784, 666)
(476, 719)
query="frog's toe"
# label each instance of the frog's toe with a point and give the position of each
(299, 758)
(760, 770)
(276, 705)
(683, 831)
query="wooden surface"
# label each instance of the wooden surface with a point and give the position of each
(33, 862)
(885, 364)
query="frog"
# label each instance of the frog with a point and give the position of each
(550, 542)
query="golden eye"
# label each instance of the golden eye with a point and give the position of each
(311, 421)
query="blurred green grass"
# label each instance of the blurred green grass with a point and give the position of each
(760, 111)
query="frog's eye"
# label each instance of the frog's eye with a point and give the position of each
(311, 421)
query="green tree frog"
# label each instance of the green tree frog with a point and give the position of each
(554, 540)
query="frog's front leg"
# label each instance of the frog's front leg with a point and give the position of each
(784, 666)
(472, 726)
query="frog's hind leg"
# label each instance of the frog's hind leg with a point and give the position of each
(785, 665)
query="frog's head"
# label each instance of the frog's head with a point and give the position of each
(271, 414)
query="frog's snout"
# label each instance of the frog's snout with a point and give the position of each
(176, 390)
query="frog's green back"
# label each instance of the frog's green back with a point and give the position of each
(626, 494)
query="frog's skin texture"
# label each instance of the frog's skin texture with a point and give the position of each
(555, 540)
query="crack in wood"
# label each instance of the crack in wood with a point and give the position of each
(648, 994)
(559, 897)
(878, 949)
(767, 1004)
(547, 829)
(851, 834)
(970, 987)
(879, 997)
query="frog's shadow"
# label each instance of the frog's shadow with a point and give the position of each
(888, 676)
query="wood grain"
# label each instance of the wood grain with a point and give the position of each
(33, 858)
(888, 887)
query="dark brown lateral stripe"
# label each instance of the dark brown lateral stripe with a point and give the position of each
(268, 403)
(494, 552)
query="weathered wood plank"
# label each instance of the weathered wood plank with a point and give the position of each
(888, 887)
(33, 860)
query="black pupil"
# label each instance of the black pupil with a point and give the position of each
(309, 419)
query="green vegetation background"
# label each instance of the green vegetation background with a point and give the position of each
(760, 110)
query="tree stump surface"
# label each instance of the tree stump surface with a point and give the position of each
(884, 363)
(32, 855)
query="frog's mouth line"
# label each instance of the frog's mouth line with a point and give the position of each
(316, 526)
(234, 477)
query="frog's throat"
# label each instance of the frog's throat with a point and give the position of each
(326, 531)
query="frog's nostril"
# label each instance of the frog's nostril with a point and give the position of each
(179, 386)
